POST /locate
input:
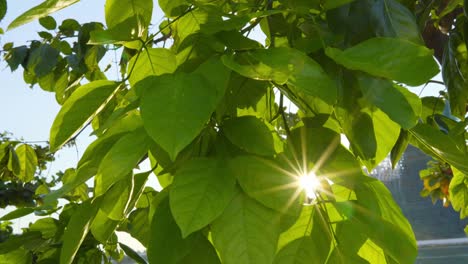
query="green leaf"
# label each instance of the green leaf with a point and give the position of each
(28, 162)
(3, 9)
(18, 241)
(132, 254)
(48, 22)
(400, 147)
(14, 164)
(152, 61)
(122, 157)
(284, 66)
(19, 212)
(45, 8)
(251, 134)
(47, 226)
(173, 8)
(139, 12)
(103, 227)
(81, 107)
(386, 225)
(434, 142)
(386, 135)
(43, 60)
(167, 246)
(17, 256)
(331, 4)
(16, 56)
(247, 232)
(139, 226)
(392, 19)
(458, 190)
(454, 73)
(76, 231)
(172, 121)
(309, 238)
(266, 182)
(299, 251)
(202, 188)
(402, 61)
(115, 201)
(397, 102)
(301, 227)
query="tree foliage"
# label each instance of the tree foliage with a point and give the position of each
(204, 101)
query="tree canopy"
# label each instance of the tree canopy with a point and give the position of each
(206, 104)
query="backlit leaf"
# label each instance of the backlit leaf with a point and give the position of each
(284, 66)
(28, 162)
(247, 232)
(152, 61)
(119, 162)
(268, 183)
(175, 108)
(201, 190)
(81, 107)
(397, 102)
(76, 231)
(251, 134)
(45, 8)
(402, 61)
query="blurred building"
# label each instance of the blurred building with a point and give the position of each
(439, 230)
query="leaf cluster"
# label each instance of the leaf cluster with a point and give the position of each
(206, 103)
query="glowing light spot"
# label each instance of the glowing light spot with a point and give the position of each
(310, 183)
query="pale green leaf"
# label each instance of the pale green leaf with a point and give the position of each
(28, 162)
(116, 199)
(175, 108)
(14, 164)
(45, 8)
(173, 8)
(202, 188)
(459, 192)
(386, 134)
(247, 232)
(152, 61)
(17, 256)
(402, 61)
(121, 159)
(103, 227)
(117, 11)
(299, 251)
(81, 107)
(302, 227)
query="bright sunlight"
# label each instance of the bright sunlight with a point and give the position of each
(310, 183)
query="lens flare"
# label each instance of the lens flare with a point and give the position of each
(310, 184)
